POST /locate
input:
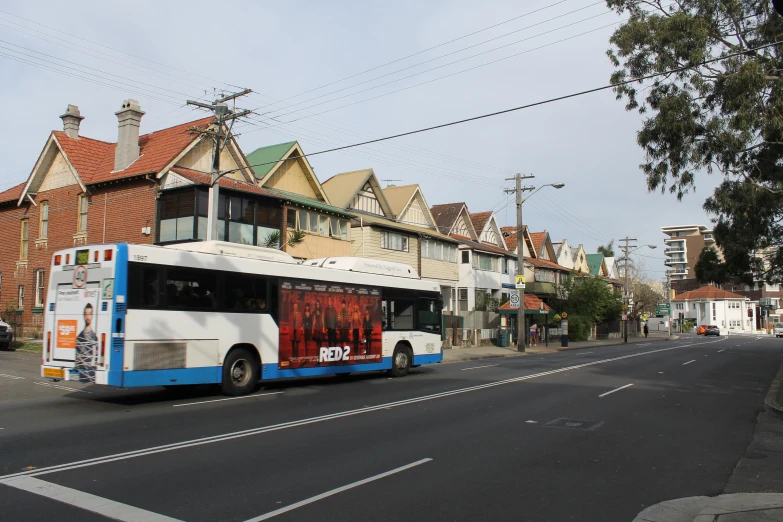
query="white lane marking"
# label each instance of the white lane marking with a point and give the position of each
(689, 362)
(312, 420)
(586, 353)
(615, 390)
(335, 491)
(10, 376)
(477, 367)
(721, 350)
(60, 387)
(102, 506)
(228, 399)
(526, 422)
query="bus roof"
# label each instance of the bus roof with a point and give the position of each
(364, 265)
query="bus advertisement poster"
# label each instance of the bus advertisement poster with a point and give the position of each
(328, 324)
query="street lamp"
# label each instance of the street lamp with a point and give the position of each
(519, 189)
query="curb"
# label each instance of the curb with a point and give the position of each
(771, 403)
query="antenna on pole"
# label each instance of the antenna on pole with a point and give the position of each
(223, 114)
(389, 182)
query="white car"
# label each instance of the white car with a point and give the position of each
(779, 330)
(6, 335)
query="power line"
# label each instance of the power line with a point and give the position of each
(445, 55)
(422, 51)
(527, 106)
(446, 65)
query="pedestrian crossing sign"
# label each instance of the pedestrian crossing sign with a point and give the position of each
(520, 282)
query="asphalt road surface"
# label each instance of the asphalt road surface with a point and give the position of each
(594, 434)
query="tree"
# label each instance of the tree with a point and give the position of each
(272, 240)
(725, 116)
(709, 268)
(607, 250)
(588, 297)
(645, 298)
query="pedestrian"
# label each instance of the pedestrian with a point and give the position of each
(646, 330)
(533, 331)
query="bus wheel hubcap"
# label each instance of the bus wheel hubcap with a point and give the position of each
(240, 372)
(402, 360)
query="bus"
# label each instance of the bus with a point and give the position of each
(212, 312)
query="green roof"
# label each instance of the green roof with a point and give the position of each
(267, 157)
(304, 201)
(594, 262)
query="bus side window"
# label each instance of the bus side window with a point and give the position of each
(195, 289)
(144, 286)
(428, 317)
(246, 293)
(401, 314)
(384, 314)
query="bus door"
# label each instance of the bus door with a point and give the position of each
(75, 327)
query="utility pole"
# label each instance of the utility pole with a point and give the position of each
(518, 189)
(222, 115)
(627, 297)
(669, 292)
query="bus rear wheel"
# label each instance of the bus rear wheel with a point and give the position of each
(401, 361)
(240, 373)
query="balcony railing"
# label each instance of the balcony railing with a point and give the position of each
(674, 249)
(674, 261)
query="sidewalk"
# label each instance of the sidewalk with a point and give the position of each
(759, 470)
(487, 352)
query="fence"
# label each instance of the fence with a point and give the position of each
(608, 330)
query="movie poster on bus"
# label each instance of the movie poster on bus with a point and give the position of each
(328, 324)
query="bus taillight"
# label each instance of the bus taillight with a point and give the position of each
(95, 256)
(48, 345)
(57, 260)
(107, 255)
(103, 348)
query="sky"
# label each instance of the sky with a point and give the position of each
(335, 73)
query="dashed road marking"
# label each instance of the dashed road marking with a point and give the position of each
(689, 362)
(616, 390)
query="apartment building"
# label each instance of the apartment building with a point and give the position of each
(683, 245)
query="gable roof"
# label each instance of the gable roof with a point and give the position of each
(482, 247)
(708, 292)
(342, 188)
(538, 240)
(382, 222)
(267, 160)
(594, 261)
(399, 197)
(543, 263)
(480, 220)
(269, 155)
(12, 194)
(446, 215)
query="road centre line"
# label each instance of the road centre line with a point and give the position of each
(228, 399)
(616, 390)
(102, 506)
(477, 367)
(721, 350)
(322, 418)
(335, 491)
(10, 376)
(60, 387)
(689, 362)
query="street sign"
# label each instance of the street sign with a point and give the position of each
(663, 306)
(520, 282)
(514, 300)
(625, 317)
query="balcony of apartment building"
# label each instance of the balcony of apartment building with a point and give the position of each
(675, 247)
(676, 260)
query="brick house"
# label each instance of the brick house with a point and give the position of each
(147, 188)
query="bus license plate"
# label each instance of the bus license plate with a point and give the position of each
(56, 373)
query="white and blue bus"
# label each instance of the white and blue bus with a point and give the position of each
(213, 312)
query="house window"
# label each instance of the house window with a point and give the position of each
(339, 228)
(462, 299)
(176, 216)
(465, 257)
(83, 204)
(484, 262)
(20, 300)
(40, 293)
(240, 220)
(44, 228)
(714, 314)
(267, 222)
(439, 251)
(394, 241)
(504, 261)
(25, 240)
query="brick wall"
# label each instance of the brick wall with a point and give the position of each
(117, 212)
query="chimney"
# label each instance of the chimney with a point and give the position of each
(71, 120)
(129, 120)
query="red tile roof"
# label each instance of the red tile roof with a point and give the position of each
(12, 194)
(94, 159)
(532, 302)
(446, 214)
(546, 264)
(538, 240)
(479, 219)
(203, 178)
(511, 240)
(708, 292)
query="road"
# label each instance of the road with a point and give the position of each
(582, 435)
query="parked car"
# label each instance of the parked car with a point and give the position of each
(712, 330)
(6, 335)
(779, 330)
(702, 329)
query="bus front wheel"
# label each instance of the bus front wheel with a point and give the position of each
(240, 373)
(401, 361)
